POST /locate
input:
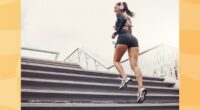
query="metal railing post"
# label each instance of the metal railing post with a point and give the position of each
(95, 64)
(86, 61)
(79, 59)
(56, 57)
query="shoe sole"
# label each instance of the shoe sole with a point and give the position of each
(126, 84)
(143, 97)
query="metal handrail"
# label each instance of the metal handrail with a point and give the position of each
(44, 51)
(87, 55)
(112, 65)
(143, 55)
(71, 54)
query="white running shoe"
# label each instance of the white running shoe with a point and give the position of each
(125, 83)
(141, 95)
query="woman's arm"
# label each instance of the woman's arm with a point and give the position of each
(122, 20)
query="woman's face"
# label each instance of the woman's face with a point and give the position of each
(117, 9)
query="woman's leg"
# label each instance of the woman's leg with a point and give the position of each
(119, 52)
(133, 53)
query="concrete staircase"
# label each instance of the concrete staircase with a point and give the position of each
(52, 85)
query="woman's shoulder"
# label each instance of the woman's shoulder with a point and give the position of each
(121, 15)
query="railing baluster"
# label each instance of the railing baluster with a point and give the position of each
(79, 59)
(95, 63)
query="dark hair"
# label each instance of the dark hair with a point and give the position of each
(130, 13)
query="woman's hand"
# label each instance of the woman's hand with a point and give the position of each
(113, 36)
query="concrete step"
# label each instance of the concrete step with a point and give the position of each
(55, 95)
(101, 106)
(53, 63)
(35, 83)
(52, 68)
(44, 61)
(87, 78)
(53, 85)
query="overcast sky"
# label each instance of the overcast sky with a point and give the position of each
(64, 25)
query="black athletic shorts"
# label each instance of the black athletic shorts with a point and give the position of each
(127, 38)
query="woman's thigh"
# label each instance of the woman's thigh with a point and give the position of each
(133, 53)
(120, 49)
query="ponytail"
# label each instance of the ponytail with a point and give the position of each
(128, 12)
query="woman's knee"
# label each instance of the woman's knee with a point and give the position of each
(134, 65)
(115, 61)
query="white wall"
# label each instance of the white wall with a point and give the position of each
(63, 25)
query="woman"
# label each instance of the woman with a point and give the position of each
(126, 41)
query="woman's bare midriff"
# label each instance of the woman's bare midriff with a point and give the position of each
(127, 28)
